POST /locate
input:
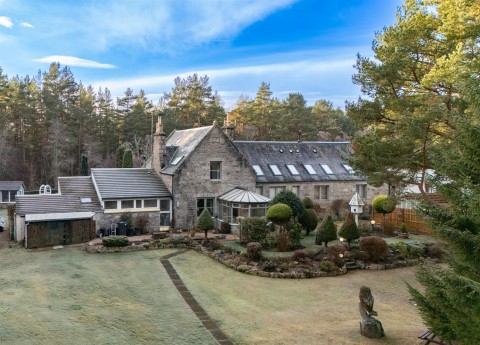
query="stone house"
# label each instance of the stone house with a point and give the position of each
(198, 166)
(313, 169)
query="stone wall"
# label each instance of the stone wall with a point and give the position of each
(343, 190)
(104, 220)
(192, 181)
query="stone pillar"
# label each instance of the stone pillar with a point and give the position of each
(159, 147)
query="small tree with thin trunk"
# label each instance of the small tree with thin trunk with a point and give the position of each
(349, 229)
(326, 232)
(308, 219)
(205, 221)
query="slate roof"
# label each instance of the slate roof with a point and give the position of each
(11, 185)
(52, 203)
(117, 183)
(72, 189)
(283, 153)
(180, 144)
(80, 186)
(241, 195)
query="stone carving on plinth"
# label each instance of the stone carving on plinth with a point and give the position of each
(369, 326)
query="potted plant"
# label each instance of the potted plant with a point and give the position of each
(403, 231)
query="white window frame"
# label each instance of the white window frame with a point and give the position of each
(275, 169)
(216, 172)
(327, 169)
(362, 190)
(258, 170)
(293, 170)
(349, 169)
(310, 169)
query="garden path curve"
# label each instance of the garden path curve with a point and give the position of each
(202, 315)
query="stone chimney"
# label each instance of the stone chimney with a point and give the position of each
(229, 128)
(159, 147)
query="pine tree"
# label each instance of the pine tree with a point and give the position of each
(128, 159)
(119, 157)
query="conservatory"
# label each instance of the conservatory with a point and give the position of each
(241, 203)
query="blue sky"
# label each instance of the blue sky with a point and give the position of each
(306, 46)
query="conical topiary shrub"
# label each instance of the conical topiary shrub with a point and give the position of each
(327, 231)
(349, 229)
(205, 221)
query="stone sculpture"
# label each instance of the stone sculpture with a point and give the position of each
(369, 326)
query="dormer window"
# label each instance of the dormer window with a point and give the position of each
(292, 169)
(258, 170)
(327, 169)
(275, 170)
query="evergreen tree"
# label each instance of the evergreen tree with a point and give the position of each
(205, 221)
(349, 229)
(326, 232)
(119, 157)
(85, 169)
(309, 220)
(291, 199)
(127, 159)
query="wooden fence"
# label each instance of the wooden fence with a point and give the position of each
(414, 222)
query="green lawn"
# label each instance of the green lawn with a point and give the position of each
(257, 310)
(69, 297)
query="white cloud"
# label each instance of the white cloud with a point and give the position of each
(174, 25)
(327, 77)
(6, 22)
(27, 25)
(74, 61)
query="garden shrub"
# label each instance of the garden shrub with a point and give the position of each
(115, 241)
(309, 220)
(291, 199)
(254, 229)
(299, 255)
(435, 250)
(279, 213)
(307, 203)
(349, 229)
(225, 228)
(326, 232)
(336, 254)
(337, 207)
(388, 227)
(407, 251)
(384, 204)
(375, 247)
(254, 251)
(142, 222)
(269, 266)
(283, 243)
(327, 266)
(176, 240)
(205, 221)
(294, 235)
(127, 218)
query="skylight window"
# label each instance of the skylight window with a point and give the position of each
(258, 170)
(292, 169)
(327, 169)
(310, 169)
(177, 160)
(85, 200)
(275, 170)
(348, 168)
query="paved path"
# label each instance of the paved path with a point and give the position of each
(202, 315)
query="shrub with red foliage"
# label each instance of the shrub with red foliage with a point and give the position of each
(375, 247)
